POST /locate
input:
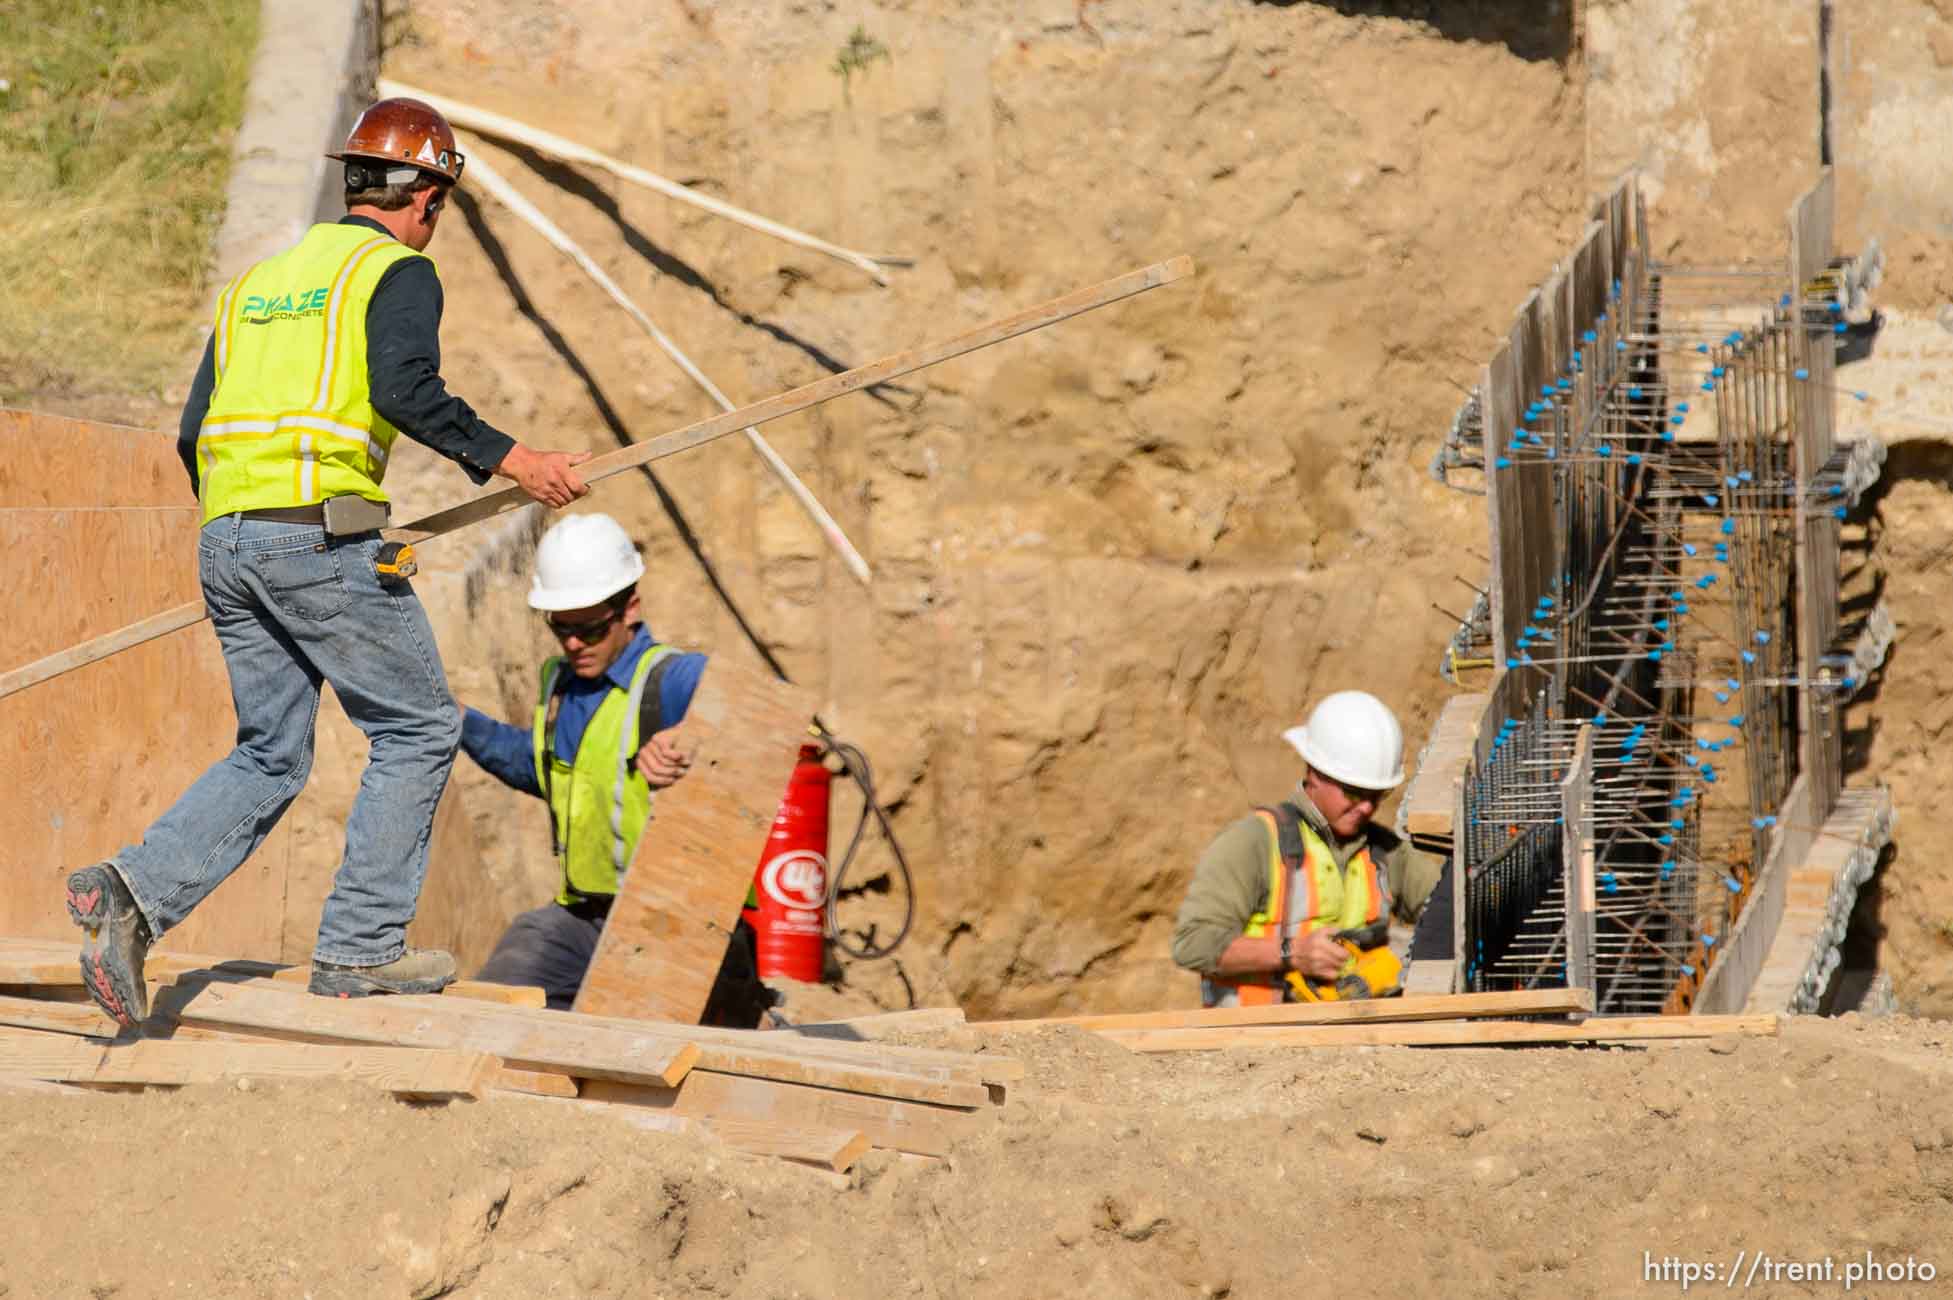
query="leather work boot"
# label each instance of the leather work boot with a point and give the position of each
(114, 944)
(417, 970)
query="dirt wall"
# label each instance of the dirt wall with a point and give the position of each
(1113, 559)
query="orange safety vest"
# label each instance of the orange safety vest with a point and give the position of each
(1322, 896)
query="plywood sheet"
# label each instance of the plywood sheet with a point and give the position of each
(668, 929)
(92, 757)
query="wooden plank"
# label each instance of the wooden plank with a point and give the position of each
(82, 1018)
(897, 1125)
(509, 995)
(921, 1062)
(831, 1149)
(405, 1071)
(538, 1083)
(563, 1044)
(1494, 1033)
(489, 506)
(1443, 1006)
(1577, 860)
(666, 934)
(869, 1029)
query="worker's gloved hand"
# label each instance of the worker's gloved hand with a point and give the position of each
(547, 476)
(1318, 956)
(661, 760)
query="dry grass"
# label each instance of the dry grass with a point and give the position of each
(119, 116)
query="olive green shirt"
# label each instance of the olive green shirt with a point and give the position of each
(1230, 882)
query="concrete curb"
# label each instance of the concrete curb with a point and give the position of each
(314, 70)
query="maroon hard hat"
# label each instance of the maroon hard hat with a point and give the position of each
(407, 132)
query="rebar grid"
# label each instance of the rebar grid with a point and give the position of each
(1663, 485)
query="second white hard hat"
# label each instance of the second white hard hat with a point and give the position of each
(581, 561)
(1352, 737)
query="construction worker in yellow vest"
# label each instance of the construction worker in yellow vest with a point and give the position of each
(600, 743)
(321, 355)
(1274, 891)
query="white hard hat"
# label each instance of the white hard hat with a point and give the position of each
(583, 560)
(1352, 737)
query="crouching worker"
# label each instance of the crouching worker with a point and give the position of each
(598, 748)
(1293, 903)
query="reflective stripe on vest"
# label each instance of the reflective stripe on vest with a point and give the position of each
(597, 809)
(291, 419)
(1331, 898)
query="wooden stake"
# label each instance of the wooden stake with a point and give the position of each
(491, 180)
(692, 435)
(480, 119)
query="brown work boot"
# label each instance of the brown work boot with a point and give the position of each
(115, 942)
(417, 970)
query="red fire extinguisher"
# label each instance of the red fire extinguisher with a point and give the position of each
(789, 896)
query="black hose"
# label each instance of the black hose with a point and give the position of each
(855, 763)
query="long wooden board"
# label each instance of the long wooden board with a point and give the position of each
(405, 1071)
(565, 1046)
(896, 1125)
(827, 1148)
(82, 1018)
(1494, 1033)
(799, 399)
(667, 932)
(1442, 1006)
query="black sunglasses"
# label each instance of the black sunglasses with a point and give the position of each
(587, 632)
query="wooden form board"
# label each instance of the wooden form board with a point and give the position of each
(1493, 1033)
(667, 931)
(590, 1051)
(828, 1148)
(1428, 800)
(99, 528)
(887, 1122)
(405, 1071)
(1444, 1006)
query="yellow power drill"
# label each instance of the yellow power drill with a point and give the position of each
(1372, 970)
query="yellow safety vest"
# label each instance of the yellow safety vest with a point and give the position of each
(598, 804)
(291, 421)
(1329, 898)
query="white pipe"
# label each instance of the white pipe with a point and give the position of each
(479, 172)
(487, 123)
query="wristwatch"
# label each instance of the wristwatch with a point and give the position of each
(1287, 956)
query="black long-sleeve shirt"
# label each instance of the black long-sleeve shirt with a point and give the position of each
(403, 366)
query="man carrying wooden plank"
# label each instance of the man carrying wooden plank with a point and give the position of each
(1274, 889)
(600, 745)
(321, 356)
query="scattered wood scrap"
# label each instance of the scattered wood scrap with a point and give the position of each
(818, 1101)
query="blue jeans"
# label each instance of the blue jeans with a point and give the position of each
(293, 607)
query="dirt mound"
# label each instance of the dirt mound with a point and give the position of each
(1527, 1173)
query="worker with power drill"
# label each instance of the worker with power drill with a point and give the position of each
(321, 356)
(1294, 902)
(598, 747)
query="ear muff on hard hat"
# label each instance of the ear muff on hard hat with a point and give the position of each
(1352, 737)
(582, 561)
(399, 133)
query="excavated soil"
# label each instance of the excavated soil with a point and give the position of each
(1112, 561)
(1548, 1173)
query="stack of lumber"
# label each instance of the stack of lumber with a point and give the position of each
(1437, 1020)
(819, 1100)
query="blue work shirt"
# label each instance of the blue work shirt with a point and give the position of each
(508, 754)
